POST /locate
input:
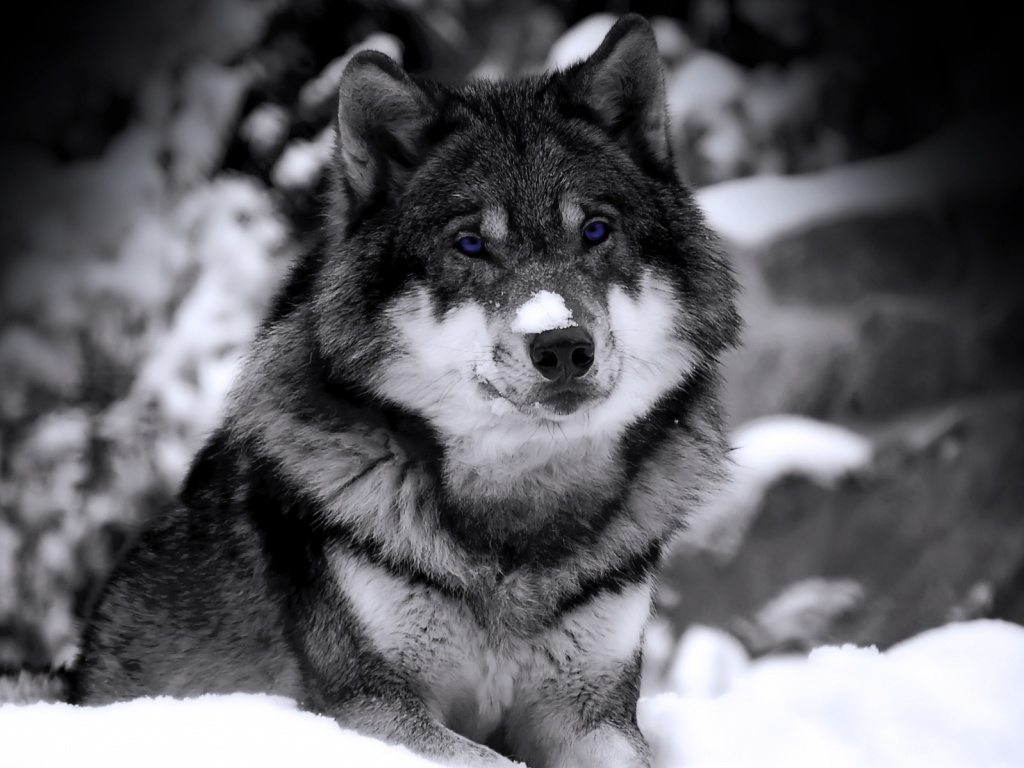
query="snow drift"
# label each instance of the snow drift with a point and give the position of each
(948, 698)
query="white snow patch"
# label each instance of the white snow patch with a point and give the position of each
(580, 40)
(323, 89)
(764, 450)
(804, 610)
(975, 156)
(772, 446)
(706, 663)
(302, 162)
(706, 83)
(265, 128)
(948, 698)
(197, 135)
(545, 311)
(211, 731)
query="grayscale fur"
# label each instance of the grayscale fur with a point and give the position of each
(400, 522)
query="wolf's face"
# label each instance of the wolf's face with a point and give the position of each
(530, 299)
(517, 262)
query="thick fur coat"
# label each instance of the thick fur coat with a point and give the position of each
(465, 434)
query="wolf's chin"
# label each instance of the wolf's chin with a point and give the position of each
(565, 403)
(554, 406)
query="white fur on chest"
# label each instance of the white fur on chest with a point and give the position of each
(471, 679)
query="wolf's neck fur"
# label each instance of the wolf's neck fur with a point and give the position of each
(545, 466)
(380, 475)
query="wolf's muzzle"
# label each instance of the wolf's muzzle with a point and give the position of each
(562, 354)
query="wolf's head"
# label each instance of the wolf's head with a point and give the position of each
(518, 260)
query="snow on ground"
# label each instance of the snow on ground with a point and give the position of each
(948, 698)
(978, 154)
(236, 730)
(764, 450)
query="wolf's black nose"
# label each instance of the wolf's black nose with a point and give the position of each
(562, 354)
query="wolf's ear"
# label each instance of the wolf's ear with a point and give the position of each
(624, 86)
(382, 115)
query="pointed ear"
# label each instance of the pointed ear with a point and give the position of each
(623, 85)
(382, 116)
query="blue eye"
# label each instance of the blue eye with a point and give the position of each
(595, 231)
(471, 245)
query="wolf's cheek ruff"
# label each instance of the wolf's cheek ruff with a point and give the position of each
(654, 359)
(432, 364)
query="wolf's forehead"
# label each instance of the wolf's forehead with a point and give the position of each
(521, 170)
(535, 180)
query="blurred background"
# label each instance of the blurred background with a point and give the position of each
(162, 162)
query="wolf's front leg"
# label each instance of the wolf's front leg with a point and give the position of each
(375, 703)
(585, 720)
(581, 708)
(362, 691)
(397, 718)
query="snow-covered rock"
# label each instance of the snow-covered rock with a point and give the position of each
(707, 83)
(198, 133)
(580, 40)
(303, 161)
(319, 96)
(978, 155)
(765, 450)
(926, 532)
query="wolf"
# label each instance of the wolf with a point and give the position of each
(468, 428)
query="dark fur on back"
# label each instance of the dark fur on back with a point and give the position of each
(401, 522)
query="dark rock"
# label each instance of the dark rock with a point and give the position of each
(911, 355)
(793, 360)
(867, 318)
(841, 262)
(933, 532)
(966, 250)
